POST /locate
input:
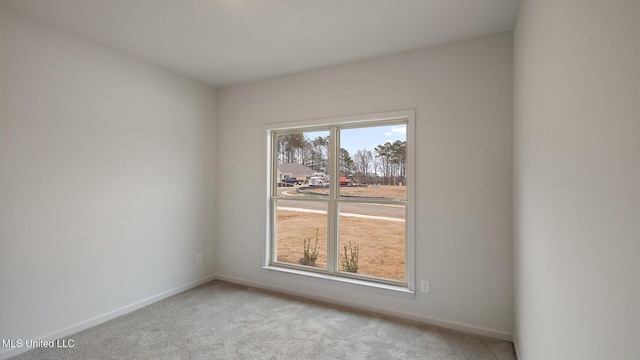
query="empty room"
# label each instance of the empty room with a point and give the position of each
(320, 179)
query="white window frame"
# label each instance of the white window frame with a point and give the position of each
(333, 125)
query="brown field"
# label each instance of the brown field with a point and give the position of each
(381, 243)
(371, 191)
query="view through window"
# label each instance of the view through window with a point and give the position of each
(339, 199)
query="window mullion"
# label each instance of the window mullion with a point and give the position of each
(274, 164)
(271, 258)
(333, 226)
(272, 248)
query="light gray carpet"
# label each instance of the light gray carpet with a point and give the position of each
(220, 320)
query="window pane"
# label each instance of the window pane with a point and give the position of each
(373, 161)
(376, 232)
(301, 156)
(301, 233)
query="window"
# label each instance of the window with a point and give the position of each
(349, 214)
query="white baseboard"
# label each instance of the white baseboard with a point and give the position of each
(10, 352)
(515, 346)
(471, 329)
(7, 353)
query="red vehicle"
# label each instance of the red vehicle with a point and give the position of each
(345, 181)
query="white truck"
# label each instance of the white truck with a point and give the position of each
(319, 179)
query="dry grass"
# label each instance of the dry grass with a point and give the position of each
(371, 191)
(381, 243)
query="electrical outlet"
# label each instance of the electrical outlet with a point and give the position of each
(198, 258)
(424, 286)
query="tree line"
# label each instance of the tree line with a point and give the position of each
(386, 164)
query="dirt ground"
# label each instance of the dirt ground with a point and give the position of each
(371, 191)
(381, 242)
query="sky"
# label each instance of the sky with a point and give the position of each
(366, 138)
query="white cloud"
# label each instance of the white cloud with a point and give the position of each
(402, 129)
(388, 133)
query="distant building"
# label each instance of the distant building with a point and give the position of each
(297, 171)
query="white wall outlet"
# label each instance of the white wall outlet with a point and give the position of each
(198, 258)
(424, 286)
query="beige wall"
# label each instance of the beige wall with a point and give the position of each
(462, 94)
(106, 181)
(577, 180)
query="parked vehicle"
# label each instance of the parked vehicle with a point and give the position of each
(319, 179)
(345, 182)
(290, 181)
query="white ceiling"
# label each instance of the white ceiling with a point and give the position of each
(225, 42)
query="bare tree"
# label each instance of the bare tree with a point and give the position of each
(384, 153)
(378, 170)
(319, 153)
(363, 162)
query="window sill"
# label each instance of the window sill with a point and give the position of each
(342, 281)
